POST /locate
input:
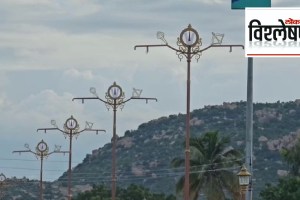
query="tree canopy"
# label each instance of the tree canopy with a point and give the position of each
(132, 192)
(292, 158)
(212, 162)
(287, 189)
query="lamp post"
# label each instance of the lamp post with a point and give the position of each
(244, 180)
(2, 184)
(189, 45)
(41, 151)
(71, 129)
(115, 98)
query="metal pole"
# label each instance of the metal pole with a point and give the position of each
(249, 125)
(113, 181)
(114, 98)
(71, 127)
(243, 195)
(70, 166)
(41, 179)
(187, 137)
(188, 50)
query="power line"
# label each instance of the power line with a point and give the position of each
(120, 172)
(144, 177)
(34, 160)
(148, 176)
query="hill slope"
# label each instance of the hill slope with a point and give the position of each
(144, 155)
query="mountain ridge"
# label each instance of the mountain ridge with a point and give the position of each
(144, 154)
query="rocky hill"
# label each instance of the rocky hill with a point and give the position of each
(144, 154)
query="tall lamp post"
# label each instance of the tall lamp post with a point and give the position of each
(189, 45)
(41, 151)
(2, 184)
(71, 129)
(115, 98)
(244, 180)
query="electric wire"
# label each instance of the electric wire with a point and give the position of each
(147, 170)
(33, 160)
(134, 177)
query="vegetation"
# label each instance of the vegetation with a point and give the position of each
(212, 161)
(133, 192)
(288, 188)
(292, 157)
(144, 155)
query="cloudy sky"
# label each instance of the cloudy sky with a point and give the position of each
(53, 50)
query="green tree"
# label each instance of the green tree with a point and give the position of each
(212, 161)
(292, 157)
(132, 192)
(98, 192)
(287, 189)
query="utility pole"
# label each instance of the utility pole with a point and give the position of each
(3, 184)
(41, 151)
(189, 45)
(249, 127)
(115, 98)
(71, 129)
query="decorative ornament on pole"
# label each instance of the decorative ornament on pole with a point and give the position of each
(3, 184)
(189, 43)
(161, 36)
(71, 124)
(115, 91)
(53, 123)
(2, 178)
(93, 91)
(217, 38)
(244, 179)
(70, 129)
(41, 152)
(189, 37)
(115, 98)
(42, 148)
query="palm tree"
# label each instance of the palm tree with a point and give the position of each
(212, 162)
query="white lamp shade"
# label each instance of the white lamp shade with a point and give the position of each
(244, 177)
(244, 180)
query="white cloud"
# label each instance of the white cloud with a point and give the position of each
(211, 1)
(47, 8)
(26, 2)
(38, 108)
(4, 102)
(62, 34)
(79, 74)
(81, 8)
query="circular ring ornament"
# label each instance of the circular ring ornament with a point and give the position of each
(71, 123)
(114, 91)
(42, 146)
(2, 177)
(189, 37)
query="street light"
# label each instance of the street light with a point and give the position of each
(2, 184)
(244, 180)
(115, 98)
(189, 44)
(71, 128)
(41, 151)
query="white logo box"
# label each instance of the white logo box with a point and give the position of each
(272, 32)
